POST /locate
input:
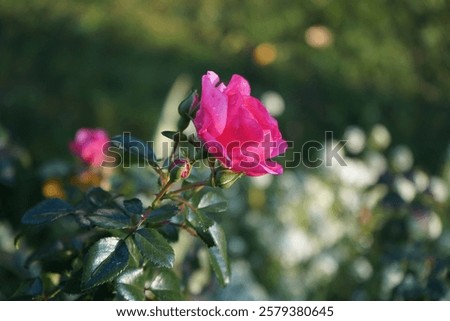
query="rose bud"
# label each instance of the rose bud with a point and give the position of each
(179, 169)
(185, 109)
(188, 104)
(224, 178)
(183, 123)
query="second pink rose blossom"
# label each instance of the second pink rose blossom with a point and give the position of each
(89, 144)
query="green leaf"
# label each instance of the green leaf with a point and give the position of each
(136, 259)
(133, 206)
(212, 202)
(201, 223)
(135, 146)
(185, 107)
(98, 197)
(163, 213)
(170, 232)
(218, 255)
(154, 247)
(206, 237)
(105, 260)
(174, 135)
(164, 284)
(110, 218)
(225, 178)
(199, 220)
(130, 285)
(183, 123)
(47, 211)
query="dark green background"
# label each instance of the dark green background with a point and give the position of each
(111, 63)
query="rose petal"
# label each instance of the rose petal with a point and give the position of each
(260, 112)
(212, 114)
(263, 168)
(213, 77)
(272, 167)
(238, 84)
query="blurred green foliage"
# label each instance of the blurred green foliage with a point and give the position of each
(376, 229)
(71, 64)
(92, 62)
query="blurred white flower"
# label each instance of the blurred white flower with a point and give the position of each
(274, 102)
(434, 226)
(325, 265)
(262, 182)
(439, 189)
(332, 230)
(405, 188)
(288, 181)
(349, 198)
(362, 267)
(421, 180)
(6, 237)
(356, 174)
(380, 137)
(356, 139)
(296, 246)
(392, 276)
(402, 158)
(373, 197)
(320, 195)
(377, 162)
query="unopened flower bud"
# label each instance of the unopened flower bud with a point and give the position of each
(183, 123)
(179, 169)
(188, 105)
(224, 178)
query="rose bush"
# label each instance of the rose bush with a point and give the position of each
(122, 247)
(89, 144)
(236, 128)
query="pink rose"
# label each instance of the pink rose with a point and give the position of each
(237, 128)
(89, 145)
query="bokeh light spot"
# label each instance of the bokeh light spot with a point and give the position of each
(318, 37)
(265, 54)
(53, 189)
